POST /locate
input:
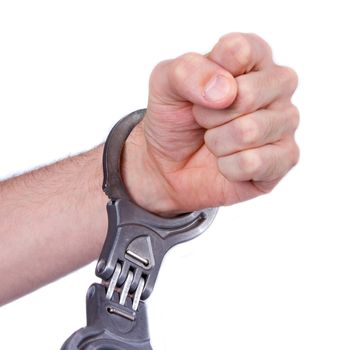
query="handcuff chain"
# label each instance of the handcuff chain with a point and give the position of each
(125, 288)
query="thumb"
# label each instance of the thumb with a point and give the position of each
(192, 78)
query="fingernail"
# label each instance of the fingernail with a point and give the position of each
(217, 88)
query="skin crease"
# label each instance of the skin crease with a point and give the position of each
(198, 146)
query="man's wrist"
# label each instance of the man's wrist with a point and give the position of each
(143, 179)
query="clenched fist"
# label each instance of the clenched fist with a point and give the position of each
(219, 129)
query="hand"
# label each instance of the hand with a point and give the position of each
(219, 129)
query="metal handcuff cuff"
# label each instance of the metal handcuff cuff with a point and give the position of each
(136, 243)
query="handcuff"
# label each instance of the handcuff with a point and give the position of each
(132, 254)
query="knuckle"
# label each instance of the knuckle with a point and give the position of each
(273, 166)
(246, 98)
(211, 141)
(294, 117)
(244, 50)
(240, 45)
(289, 77)
(263, 43)
(156, 93)
(182, 65)
(268, 126)
(188, 57)
(159, 68)
(250, 163)
(246, 131)
(294, 154)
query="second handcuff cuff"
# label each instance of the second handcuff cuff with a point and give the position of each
(133, 251)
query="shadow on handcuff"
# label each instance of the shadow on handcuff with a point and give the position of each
(132, 254)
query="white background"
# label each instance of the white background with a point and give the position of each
(272, 273)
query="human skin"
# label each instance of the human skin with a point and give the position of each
(196, 147)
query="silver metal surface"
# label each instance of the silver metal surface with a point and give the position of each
(210, 214)
(120, 312)
(126, 288)
(138, 257)
(137, 296)
(113, 282)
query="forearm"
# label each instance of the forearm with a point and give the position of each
(52, 221)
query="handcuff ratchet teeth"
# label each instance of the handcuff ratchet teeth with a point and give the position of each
(135, 245)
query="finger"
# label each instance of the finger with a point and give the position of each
(255, 90)
(266, 163)
(194, 78)
(240, 53)
(252, 130)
